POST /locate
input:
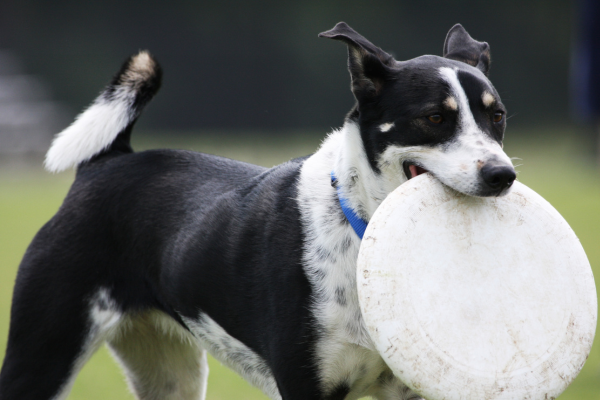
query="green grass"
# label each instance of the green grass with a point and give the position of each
(554, 168)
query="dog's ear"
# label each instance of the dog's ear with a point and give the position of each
(368, 64)
(460, 46)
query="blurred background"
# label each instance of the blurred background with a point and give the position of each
(258, 65)
(251, 81)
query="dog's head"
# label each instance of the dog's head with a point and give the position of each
(430, 114)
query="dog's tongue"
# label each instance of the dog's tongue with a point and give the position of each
(416, 170)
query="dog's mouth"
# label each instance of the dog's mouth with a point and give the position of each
(411, 170)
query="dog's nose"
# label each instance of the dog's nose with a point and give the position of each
(498, 177)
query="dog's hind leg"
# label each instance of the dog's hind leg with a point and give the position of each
(160, 358)
(51, 337)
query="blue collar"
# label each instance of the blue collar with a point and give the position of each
(358, 224)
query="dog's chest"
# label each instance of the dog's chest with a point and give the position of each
(345, 354)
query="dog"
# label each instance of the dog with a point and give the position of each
(167, 255)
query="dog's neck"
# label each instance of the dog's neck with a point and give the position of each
(361, 186)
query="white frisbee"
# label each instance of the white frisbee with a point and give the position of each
(476, 298)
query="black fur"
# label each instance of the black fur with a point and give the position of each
(460, 46)
(151, 258)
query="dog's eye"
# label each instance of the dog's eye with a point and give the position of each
(436, 118)
(498, 117)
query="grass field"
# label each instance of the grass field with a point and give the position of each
(555, 168)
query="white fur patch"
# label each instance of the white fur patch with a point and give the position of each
(160, 358)
(466, 119)
(234, 354)
(362, 187)
(93, 131)
(386, 127)
(345, 352)
(487, 99)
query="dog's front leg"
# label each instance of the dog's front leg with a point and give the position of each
(391, 388)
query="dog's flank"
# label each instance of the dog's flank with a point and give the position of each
(112, 114)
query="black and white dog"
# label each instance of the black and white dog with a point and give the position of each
(168, 254)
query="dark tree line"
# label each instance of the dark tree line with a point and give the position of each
(259, 64)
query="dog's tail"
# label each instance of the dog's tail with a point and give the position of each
(110, 117)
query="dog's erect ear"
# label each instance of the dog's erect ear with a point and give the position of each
(368, 64)
(460, 46)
